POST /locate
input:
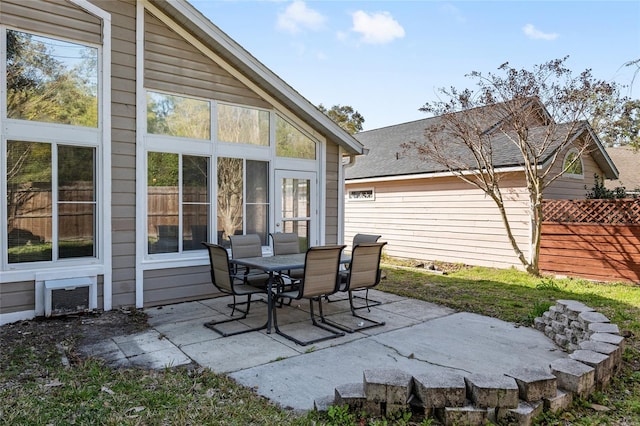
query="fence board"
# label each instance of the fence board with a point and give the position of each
(593, 239)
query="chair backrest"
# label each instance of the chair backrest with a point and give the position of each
(364, 271)
(321, 275)
(364, 238)
(220, 271)
(245, 246)
(199, 233)
(285, 243)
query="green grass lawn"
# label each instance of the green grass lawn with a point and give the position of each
(36, 388)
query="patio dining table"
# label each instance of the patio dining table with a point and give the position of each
(277, 264)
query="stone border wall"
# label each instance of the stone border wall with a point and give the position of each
(517, 396)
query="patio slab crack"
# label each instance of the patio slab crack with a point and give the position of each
(426, 361)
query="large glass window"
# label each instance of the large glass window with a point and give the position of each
(76, 201)
(291, 142)
(177, 187)
(178, 116)
(238, 124)
(178, 197)
(51, 80)
(243, 198)
(48, 221)
(195, 202)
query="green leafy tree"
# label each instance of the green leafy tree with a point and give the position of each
(600, 191)
(291, 142)
(619, 124)
(345, 116)
(43, 88)
(162, 169)
(538, 113)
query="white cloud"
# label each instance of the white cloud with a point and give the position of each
(535, 34)
(376, 28)
(297, 17)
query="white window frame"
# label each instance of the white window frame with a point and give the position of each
(213, 149)
(64, 134)
(564, 162)
(350, 198)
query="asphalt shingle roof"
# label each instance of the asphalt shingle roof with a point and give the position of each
(627, 160)
(386, 157)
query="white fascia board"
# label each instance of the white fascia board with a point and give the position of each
(603, 152)
(424, 176)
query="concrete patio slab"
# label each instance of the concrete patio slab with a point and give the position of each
(228, 354)
(474, 343)
(419, 338)
(416, 309)
(177, 312)
(188, 332)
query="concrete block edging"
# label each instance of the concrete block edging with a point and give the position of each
(518, 396)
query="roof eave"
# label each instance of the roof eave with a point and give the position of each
(188, 16)
(426, 175)
(601, 157)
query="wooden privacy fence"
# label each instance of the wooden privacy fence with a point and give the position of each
(593, 239)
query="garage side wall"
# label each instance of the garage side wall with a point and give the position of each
(441, 219)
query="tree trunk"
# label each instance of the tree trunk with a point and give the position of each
(536, 234)
(507, 226)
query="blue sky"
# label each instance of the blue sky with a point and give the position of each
(387, 58)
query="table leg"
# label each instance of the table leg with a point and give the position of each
(269, 302)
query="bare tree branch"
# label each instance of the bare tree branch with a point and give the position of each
(531, 117)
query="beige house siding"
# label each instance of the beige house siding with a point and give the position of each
(174, 65)
(177, 285)
(17, 297)
(440, 219)
(56, 18)
(123, 148)
(331, 198)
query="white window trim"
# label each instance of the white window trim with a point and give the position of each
(564, 161)
(101, 140)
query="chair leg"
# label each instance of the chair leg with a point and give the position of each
(370, 322)
(333, 332)
(368, 302)
(234, 306)
(213, 324)
(281, 288)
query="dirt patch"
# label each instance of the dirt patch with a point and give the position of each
(432, 266)
(72, 330)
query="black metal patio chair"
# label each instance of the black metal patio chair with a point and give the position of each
(320, 278)
(363, 274)
(227, 282)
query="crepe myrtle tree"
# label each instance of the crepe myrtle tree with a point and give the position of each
(537, 113)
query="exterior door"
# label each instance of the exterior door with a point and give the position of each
(296, 205)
